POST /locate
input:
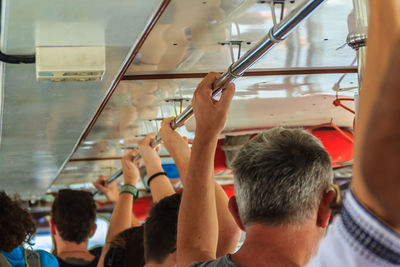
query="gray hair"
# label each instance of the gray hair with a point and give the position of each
(280, 177)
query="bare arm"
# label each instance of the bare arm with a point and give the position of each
(121, 218)
(160, 186)
(197, 222)
(376, 181)
(228, 231)
(177, 147)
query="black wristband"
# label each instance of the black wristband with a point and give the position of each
(154, 176)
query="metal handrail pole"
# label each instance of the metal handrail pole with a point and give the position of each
(277, 34)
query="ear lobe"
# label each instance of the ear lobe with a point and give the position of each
(52, 227)
(93, 230)
(234, 209)
(324, 211)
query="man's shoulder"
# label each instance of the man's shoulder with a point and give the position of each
(223, 261)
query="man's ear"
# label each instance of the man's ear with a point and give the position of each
(93, 230)
(234, 209)
(324, 210)
(53, 228)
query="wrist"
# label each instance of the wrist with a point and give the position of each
(129, 189)
(206, 134)
(134, 183)
(203, 138)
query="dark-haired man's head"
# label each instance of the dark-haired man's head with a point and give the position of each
(126, 249)
(73, 216)
(16, 224)
(282, 178)
(160, 232)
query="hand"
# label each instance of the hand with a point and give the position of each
(130, 168)
(176, 145)
(210, 114)
(111, 190)
(150, 156)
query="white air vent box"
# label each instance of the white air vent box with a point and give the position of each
(70, 63)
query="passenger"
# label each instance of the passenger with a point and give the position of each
(282, 184)
(160, 232)
(367, 232)
(117, 250)
(161, 225)
(72, 223)
(228, 232)
(17, 227)
(126, 249)
(160, 187)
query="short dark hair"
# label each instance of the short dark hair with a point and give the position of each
(126, 249)
(160, 229)
(74, 214)
(16, 223)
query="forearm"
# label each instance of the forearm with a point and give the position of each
(228, 231)
(182, 170)
(160, 186)
(197, 223)
(121, 219)
(373, 173)
(182, 163)
(381, 156)
(383, 25)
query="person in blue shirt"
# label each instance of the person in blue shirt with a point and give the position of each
(17, 227)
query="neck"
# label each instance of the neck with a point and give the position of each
(155, 264)
(170, 261)
(278, 246)
(67, 249)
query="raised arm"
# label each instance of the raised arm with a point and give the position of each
(160, 185)
(376, 181)
(197, 222)
(121, 218)
(177, 146)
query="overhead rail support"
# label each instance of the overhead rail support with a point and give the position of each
(276, 34)
(357, 37)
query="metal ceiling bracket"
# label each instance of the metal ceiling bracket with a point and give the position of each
(278, 33)
(273, 37)
(357, 37)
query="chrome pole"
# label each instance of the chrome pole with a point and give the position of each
(276, 34)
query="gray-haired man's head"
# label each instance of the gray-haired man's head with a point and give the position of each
(280, 177)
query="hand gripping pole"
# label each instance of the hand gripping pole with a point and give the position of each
(276, 34)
